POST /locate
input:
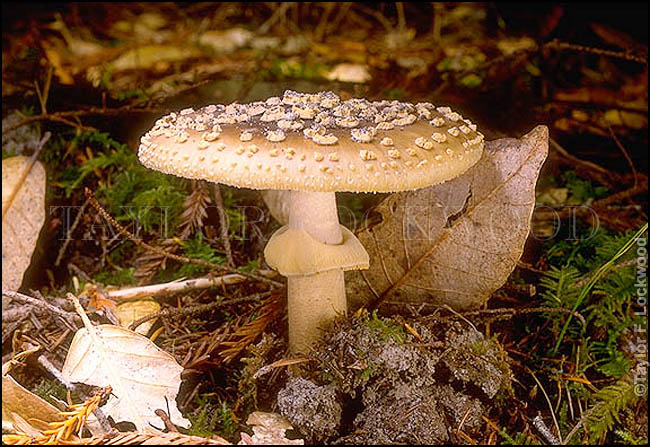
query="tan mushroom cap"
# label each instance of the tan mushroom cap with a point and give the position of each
(315, 142)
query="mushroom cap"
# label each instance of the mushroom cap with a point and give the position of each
(315, 142)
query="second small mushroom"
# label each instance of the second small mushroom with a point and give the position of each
(314, 145)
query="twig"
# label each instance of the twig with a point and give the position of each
(68, 317)
(169, 425)
(63, 115)
(377, 15)
(543, 430)
(614, 268)
(43, 95)
(319, 33)
(6, 204)
(550, 406)
(73, 268)
(401, 17)
(178, 286)
(223, 223)
(279, 12)
(625, 154)
(639, 189)
(140, 243)
(68, 238)
(556, 44)
(507, 313)
(198, 309)
(604, 175)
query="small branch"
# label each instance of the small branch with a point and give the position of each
(615, 268)
(223, 224)
(557, 45)
(140, 243)
(178, 286)
(62, 117)
(543, 430)
(550, 406)
(194, 310)
(625, 154)
(277, 14)
(641, 188)
(68, 317)
(508, 313)
(68, 238)
(603, 175)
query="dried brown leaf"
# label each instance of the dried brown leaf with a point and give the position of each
(23, 214)
(143, 376)
(457, 242)
(20, 404)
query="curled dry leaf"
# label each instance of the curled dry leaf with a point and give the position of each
(457, 242)
(20, 406)
(23, 214)
(144, 378)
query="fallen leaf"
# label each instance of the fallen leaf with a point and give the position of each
(150, 56)
(349, 73)
(130, 311)
(457, 242)
(144, 378)
(268, 429)
(23, 209)
(20, 406)
(226, 41)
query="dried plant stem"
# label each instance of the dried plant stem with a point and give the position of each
(68, 317)
(62, 117)
(550, 406)
(198, 309)
(68, 238)
(277, 14)
(140, 243)
(625, 154)
(509, 313)
(555, 44)
(179, 286)
(223, 223)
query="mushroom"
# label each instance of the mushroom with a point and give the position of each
(314, 145)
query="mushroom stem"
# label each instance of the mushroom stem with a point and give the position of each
(316, 213)
(313, 302)
(317, 299)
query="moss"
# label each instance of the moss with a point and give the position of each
(47, 389)
(386, 328)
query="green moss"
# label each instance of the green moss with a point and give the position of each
(116, 277)
(386, 328)
(198, 248)
(47, 389)
(205, 420)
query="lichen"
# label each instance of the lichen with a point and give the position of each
(374, 382)
(312, 409)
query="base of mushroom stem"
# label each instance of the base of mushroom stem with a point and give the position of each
(308, 318)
